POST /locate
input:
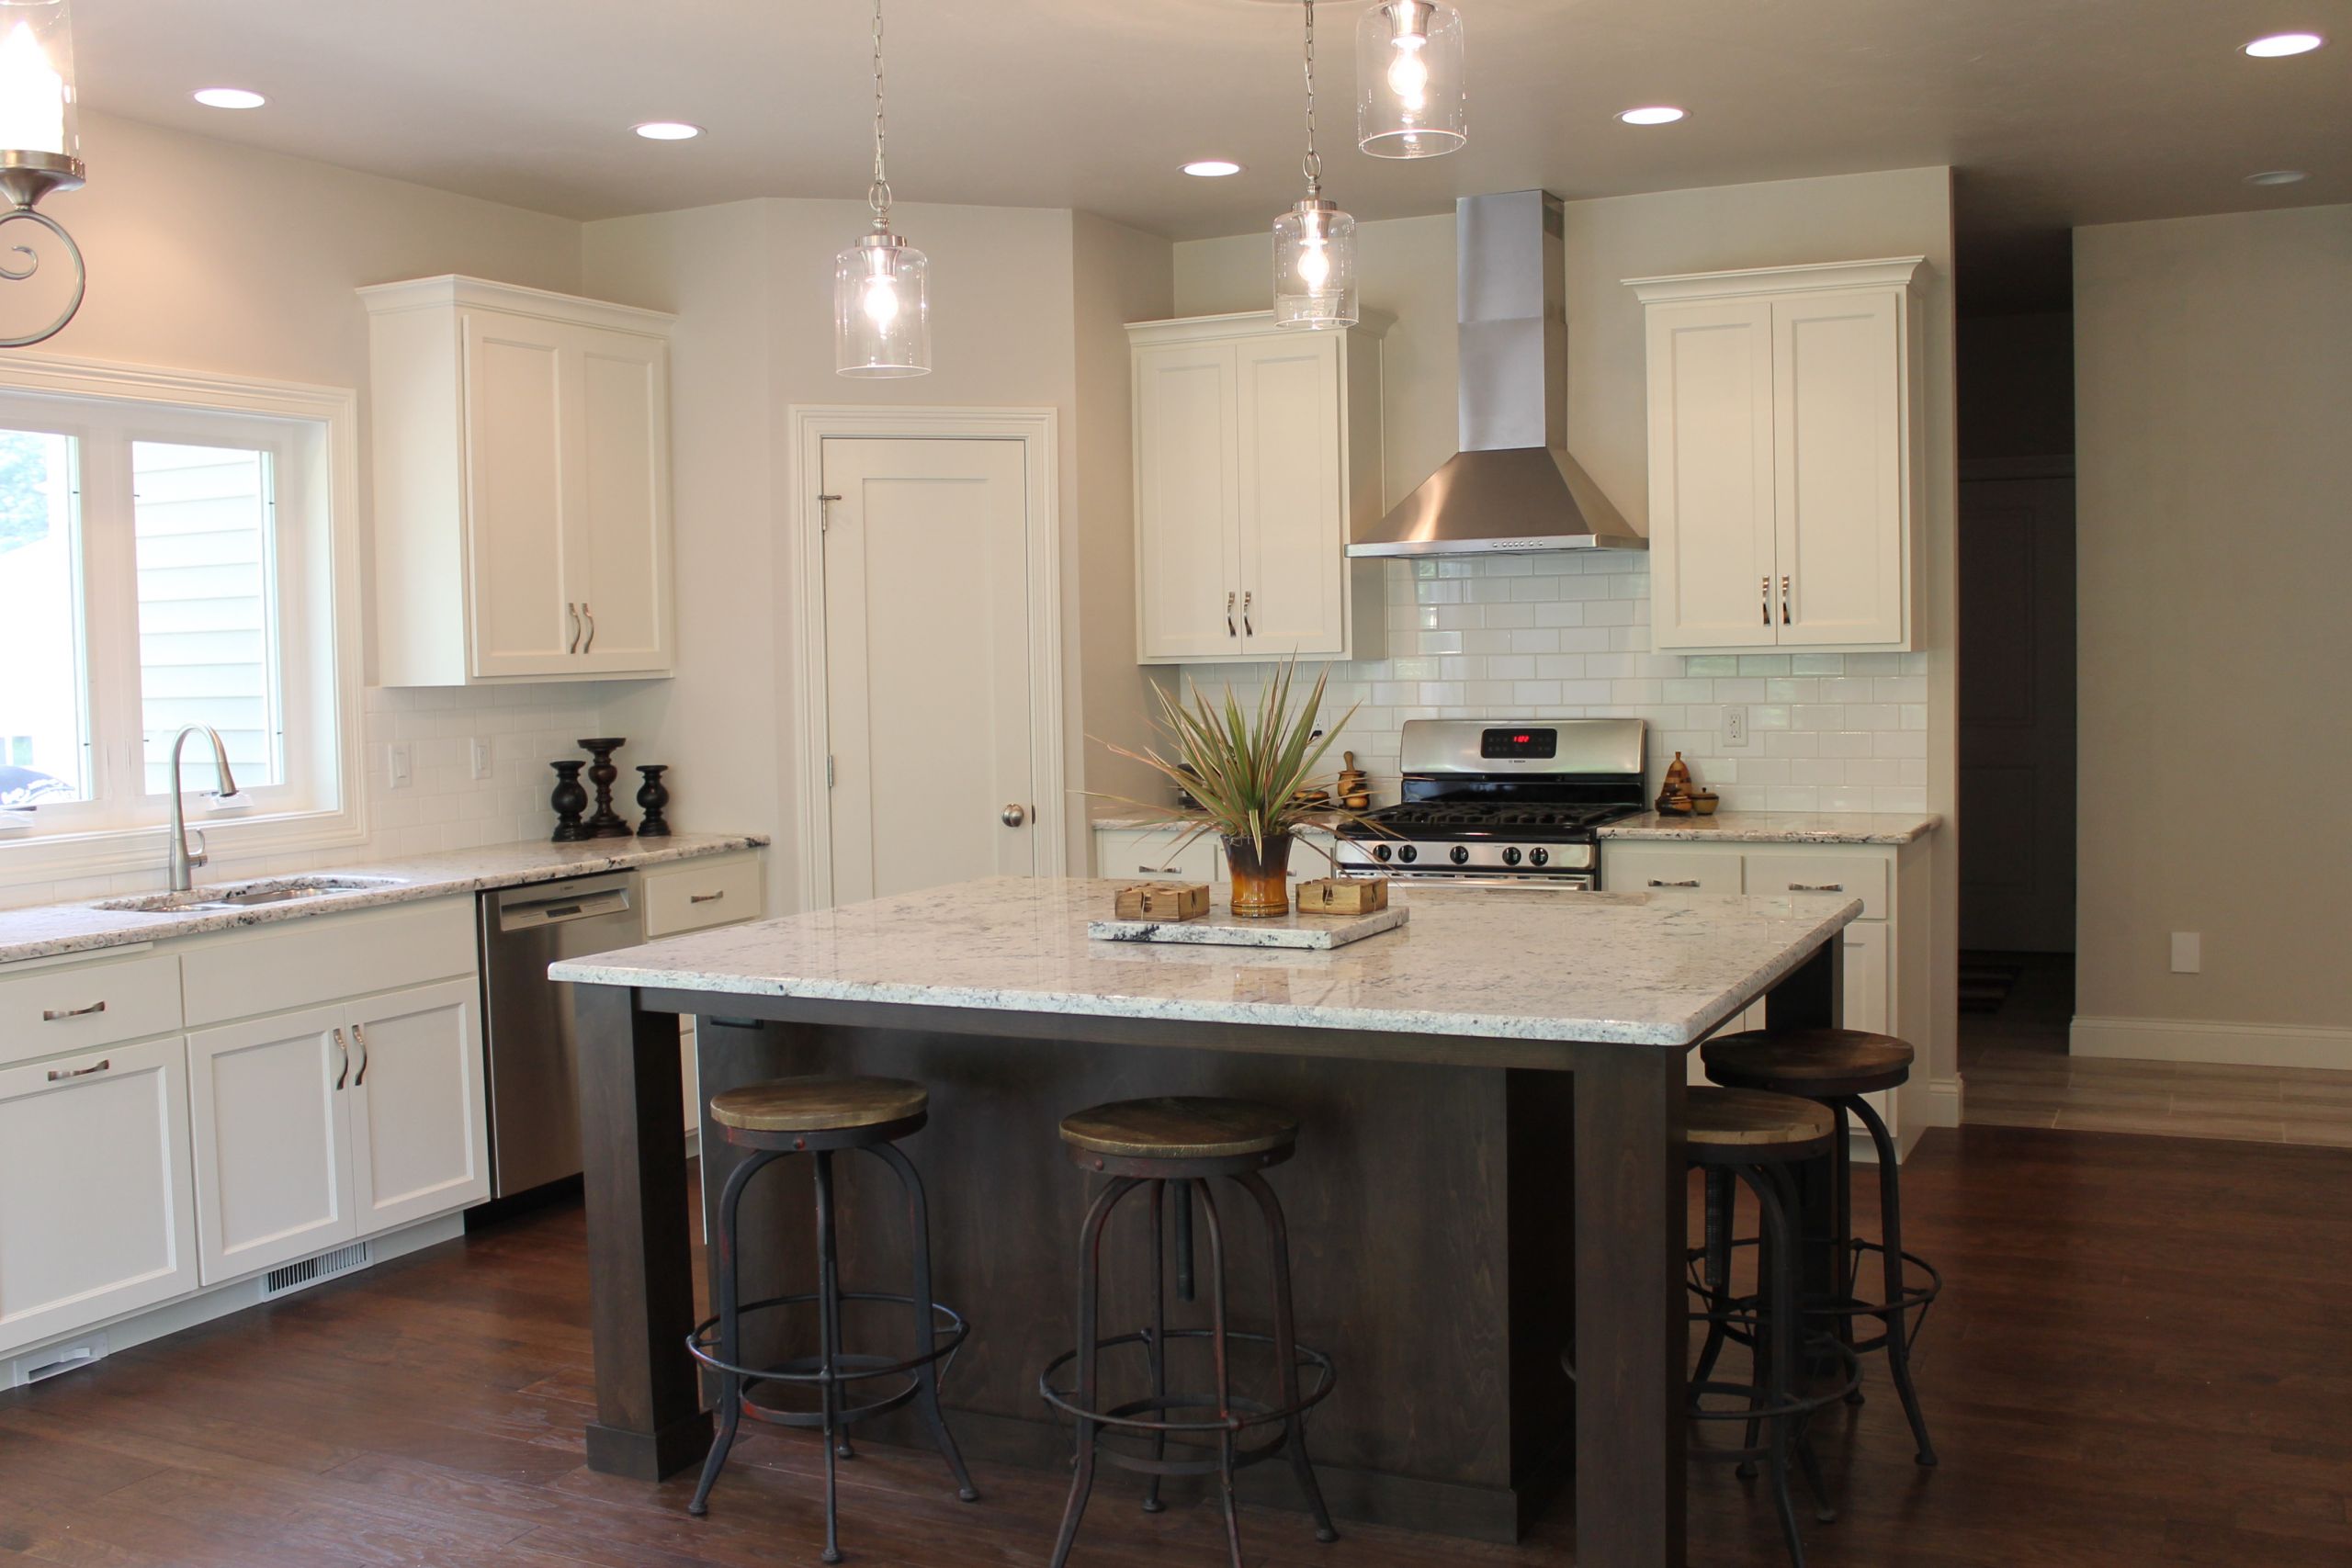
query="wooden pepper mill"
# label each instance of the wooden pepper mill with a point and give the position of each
(1351, 791)
(1676, 796)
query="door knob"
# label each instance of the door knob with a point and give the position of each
(1014, 816)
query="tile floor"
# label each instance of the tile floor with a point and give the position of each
(2019, 1075)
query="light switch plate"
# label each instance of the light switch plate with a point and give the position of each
(2188, 953)
(481, 756)
(400, 765)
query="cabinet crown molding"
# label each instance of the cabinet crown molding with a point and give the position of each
(454, 291)
(1240, 324)
(1887, 271)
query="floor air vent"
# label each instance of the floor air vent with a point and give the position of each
(55, 1361)
(311, 1270)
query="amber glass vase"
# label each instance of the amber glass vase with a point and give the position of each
(1261, 876)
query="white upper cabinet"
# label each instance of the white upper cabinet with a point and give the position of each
(1786, 489)
(522, 460)
(1256, 451)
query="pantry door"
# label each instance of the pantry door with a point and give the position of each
(928, 651)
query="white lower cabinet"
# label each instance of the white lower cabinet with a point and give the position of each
(1123, 854)
(319, 1128)
(96, 1214)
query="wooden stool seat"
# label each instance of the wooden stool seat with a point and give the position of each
(1179, 1128)
(1750, 1126)
(1817, 1062)
(817, 1104)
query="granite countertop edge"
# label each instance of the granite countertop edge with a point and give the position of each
(51, 930)
(1780, 827)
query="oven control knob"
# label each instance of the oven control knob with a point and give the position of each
(1380, 852)
(1539, 857)
(1510, 856)
(1408, 854)
(1461, 855)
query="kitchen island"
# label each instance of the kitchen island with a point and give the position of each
(1490, 1169)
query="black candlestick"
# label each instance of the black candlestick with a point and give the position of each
(653, 798)
(605, 823)
(570, 799)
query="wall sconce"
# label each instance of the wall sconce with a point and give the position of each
(40, 139)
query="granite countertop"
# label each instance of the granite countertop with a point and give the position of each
(1638, 968)
(1780, 827)
(48, 929)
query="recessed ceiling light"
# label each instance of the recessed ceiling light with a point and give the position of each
(2279, 45)
(667, 131)
(1653, 114)
(229, 98)
(1212, 168)
(2277, 177)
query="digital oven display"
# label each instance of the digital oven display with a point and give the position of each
(1529, 744)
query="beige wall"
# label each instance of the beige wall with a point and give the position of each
(2214, 365)
(1408, 268)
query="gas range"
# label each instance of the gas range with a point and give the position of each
(1502, 803)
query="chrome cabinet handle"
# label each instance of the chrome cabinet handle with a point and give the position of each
(342, 1076)
(57, 1073)
(1764, 586)
(1784, 601)
(1228, 616)
(572, 610)
(1656, 883)
(53, 1015)
(1247, 629)
(590, 617)
(1160, 870)
(706, 897)
(1013, 816)
(1816, 887)
(359, 1032)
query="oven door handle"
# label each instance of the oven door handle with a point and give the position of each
(1577, 883)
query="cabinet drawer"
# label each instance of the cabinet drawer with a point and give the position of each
(327, 958)
(691, 897)
(1124, 853)
(1856, 876)
(1668, 871)
(69, 1007)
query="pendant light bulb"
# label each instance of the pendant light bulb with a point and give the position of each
(1409, 96)
(1314, 243)
(881, 284)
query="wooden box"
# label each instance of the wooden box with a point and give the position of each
(1343, 896)
(1164, 901)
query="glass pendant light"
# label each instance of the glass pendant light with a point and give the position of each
(1314, 243)
(881, 284)
(40, 142)
(1410, 102)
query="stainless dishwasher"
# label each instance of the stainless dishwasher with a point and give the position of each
(534, 1071)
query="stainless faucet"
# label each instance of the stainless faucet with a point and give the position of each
(181, 860)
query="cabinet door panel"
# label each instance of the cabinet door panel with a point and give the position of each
(419, 1142)
(1125, 854)
(273, 1175)
(1293, 506)
(1839, 522)
(515, 497)
(1186, 528)
(1710, 475)
(619, 526)
(95, 1215)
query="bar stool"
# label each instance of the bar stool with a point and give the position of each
(1836, 1067)
(1759, 1139)
(1175, 1146)
(821, 1117)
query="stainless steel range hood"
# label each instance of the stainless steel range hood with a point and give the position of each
(1513, 487)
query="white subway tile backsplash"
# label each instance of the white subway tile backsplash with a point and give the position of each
(1565, 635)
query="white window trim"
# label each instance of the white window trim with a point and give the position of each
(52, 857)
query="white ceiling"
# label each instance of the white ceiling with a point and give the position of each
(2057, 112)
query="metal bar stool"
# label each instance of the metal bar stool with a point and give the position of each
(1176, 1146)
(821, 1116)
(1742, 1136)
(1836, 1067)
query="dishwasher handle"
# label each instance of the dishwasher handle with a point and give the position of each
(532, 913)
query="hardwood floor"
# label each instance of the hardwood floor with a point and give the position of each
(2020, 1074)
(2139, 1360)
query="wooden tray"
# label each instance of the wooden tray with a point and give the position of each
(1219, 928)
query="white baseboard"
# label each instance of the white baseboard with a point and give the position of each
(2196, 1040)
(1940, 1106)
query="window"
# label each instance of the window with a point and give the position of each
(165, 564)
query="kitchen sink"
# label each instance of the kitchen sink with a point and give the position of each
(254, 894)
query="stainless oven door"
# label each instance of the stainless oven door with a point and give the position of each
(1563, 882)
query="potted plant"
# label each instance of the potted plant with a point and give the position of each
(1254, 778)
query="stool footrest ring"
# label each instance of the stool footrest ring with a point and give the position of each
(949, 1330)
(1246, 1412)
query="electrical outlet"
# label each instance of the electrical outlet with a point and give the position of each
(2188, 953)
(1734, 727)
(481, 756)
(400, 765)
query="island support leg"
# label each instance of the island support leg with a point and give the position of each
(649, 1420)
(1632, 1333)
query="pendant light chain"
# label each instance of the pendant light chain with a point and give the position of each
(1313, 162)
(877, 194)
